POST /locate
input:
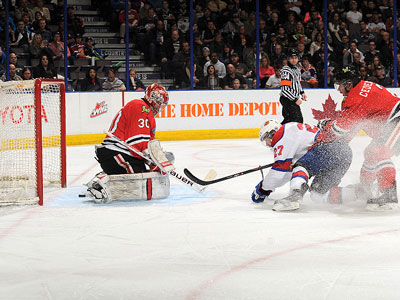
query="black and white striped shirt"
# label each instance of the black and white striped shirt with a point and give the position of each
(290, 83)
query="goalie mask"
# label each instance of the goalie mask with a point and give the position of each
(157, 97)
(268, 130)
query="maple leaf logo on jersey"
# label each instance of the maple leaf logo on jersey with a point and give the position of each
(101, 108)
(329, 110)
(145, 109)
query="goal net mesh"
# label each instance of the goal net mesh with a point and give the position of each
(18, 132)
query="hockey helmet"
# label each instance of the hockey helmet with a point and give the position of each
(157, 97)
(268, 129)
(346, 75)
(293, 53)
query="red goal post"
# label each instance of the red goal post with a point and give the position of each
(32, 139)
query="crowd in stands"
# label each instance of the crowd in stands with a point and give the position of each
(360, 33)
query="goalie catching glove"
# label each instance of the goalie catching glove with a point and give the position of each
(259, 194)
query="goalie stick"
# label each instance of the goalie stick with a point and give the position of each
(171, 172)
(207, 182)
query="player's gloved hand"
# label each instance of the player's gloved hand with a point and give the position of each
(259, 194)
(155, 168)
(322, 123)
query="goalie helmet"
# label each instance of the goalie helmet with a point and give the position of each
(346, 75)
(268, 129)
(157, 97)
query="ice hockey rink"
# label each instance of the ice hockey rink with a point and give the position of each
(216, 245)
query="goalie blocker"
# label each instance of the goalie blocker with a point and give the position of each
(127, 187)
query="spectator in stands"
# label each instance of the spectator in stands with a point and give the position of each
(278, 55)
(91, 51)
(231, 76)
(14, 61)
(354, 16)
(113, 83)
(273, 24)
(290, 24)
(357, 63)
(364, 73)
(236, 84)
(3, 60)
(36, 21)
(211, 81)
(44, 69)
(241, 41)
(274, 81)
(91, 82)
(74, 23)
(23, 9)
(155, 40)
(250, 24)
(168, 49)
(59, 12)
(232, 26)
(372, 66)
(216, 6)
(43, 31)
(205, 57)
(308, 74)
(316, 44)
(220, 69)
(37, 47)
(385, 48)
(78, 48)
(334, 23)
(179, 63)
(13, 74)
(166, 13)
(3, 21)
(240, 68)
(23, 37)
(227, 54)
(44, 11)
(135, 84)
(28, 22)
(383, 78)
(150, 20)
(348, 56)
(265, 70)
(208, 34)
(342, 32)
(26, 74)
(375, 23)
(133, 21)
(371, 53)
(57, 47)
(218, 44)
(282, 37)
(203, 21)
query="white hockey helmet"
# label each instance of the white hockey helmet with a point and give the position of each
(157, 97)
(268, 129)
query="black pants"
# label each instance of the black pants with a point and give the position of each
(291, 112)
(114, 162)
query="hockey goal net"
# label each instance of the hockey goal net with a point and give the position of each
(32, 139)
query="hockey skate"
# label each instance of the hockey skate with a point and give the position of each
(385, 202)
(98, 192)
(291, 202)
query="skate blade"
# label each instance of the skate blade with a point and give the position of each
(286, 206)
(383, 207)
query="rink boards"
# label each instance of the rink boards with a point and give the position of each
(194, 115)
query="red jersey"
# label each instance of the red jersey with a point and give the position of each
(134, 124)
(367, 106)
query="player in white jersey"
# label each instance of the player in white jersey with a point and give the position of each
(294, 162)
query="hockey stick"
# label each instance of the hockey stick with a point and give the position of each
(207, 182)
(172, 173)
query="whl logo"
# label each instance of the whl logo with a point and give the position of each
(101, 108)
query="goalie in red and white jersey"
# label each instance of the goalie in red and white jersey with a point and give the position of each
(372, 108)
(124, 151)
(135, 124)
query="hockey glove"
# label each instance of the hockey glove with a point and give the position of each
(259, 194)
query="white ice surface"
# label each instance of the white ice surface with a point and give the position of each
(215, 245)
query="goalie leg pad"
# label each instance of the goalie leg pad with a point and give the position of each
(139, 186)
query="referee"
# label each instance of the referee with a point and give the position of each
(292, 94)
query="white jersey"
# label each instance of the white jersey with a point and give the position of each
(289, 143)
